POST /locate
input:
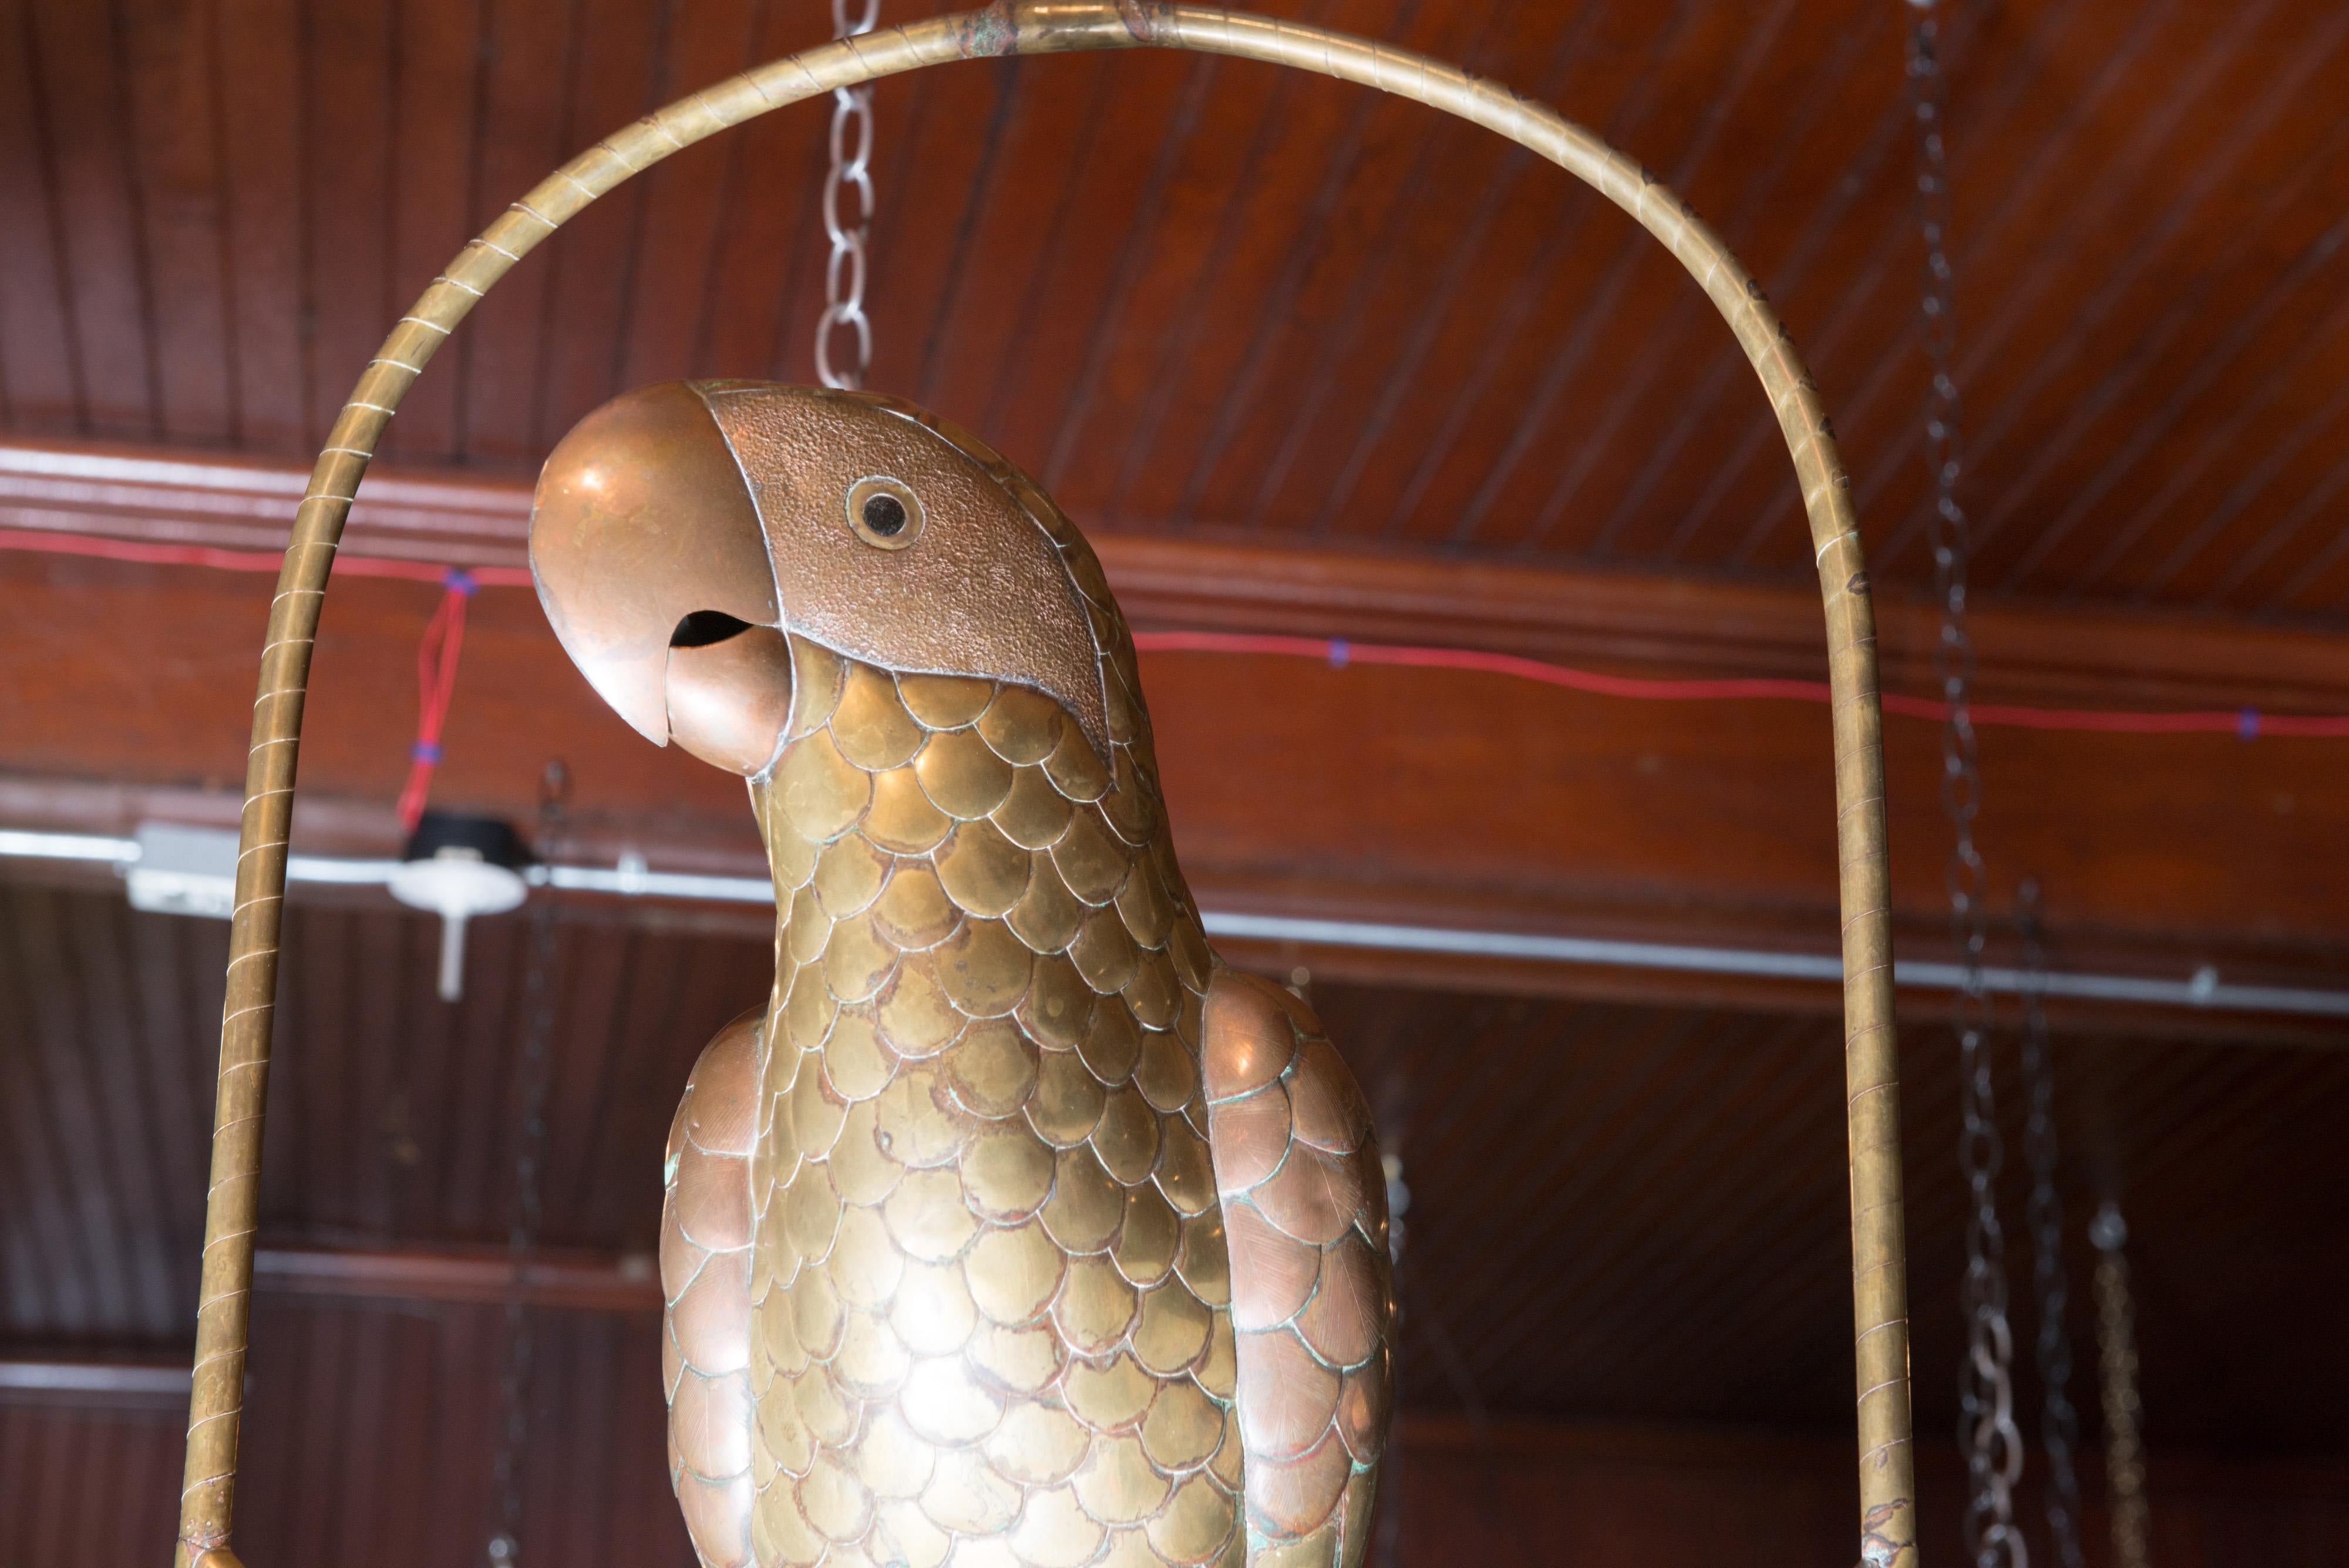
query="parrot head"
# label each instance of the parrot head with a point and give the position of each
(683, 534)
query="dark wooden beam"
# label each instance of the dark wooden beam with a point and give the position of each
(1210, 578)
(1429, 796)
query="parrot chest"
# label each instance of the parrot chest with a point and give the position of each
(989, 1288)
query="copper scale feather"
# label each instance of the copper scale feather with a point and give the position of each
(1016, 1229)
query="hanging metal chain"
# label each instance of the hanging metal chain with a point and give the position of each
(538, 1004)
(2059, 1422)
(852, 170)
(1987, 1432)
(2116, 1356)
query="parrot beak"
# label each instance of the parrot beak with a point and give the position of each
(652, 568)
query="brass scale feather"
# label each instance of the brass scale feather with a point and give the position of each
(1007, 27)
(1016, 1229)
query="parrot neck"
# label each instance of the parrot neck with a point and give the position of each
(790, 862)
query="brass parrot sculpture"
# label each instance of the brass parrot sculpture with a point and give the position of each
(1017, 1229)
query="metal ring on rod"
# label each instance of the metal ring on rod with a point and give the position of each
(1887, 1492)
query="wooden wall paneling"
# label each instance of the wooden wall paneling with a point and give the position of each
(1470, 1492)
(174, 981)
(1671, 1250)
(468, 1126)
(43, 1286)
(87, 1488)
(101, 1041)
(1662, 821)
(70, 1131)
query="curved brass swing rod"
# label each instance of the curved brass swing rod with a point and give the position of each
(1043, 27)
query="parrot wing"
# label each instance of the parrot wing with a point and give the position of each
(705, 1262)
(1304, 1202)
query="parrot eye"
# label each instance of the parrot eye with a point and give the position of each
(884, 512)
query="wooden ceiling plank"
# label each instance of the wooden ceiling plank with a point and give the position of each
(2023, 137)
(40, 372)
(982, 203)
(1484, 366)
(1818, 283)
(760, 281)
(2094, 245)
(1643, 316)
(684, 207)
(103, 257)
(1168, 277)
(107, 1061)
(61, 1131)
(265, 221)
(620, 55)
(1007, 234)
(348, 125)
(439, 72)
(1431, 222)
(1420, 281)
(528, 125)
(2223, 544)
(2320, 575)
(1115, 173)
(2181, 348)
(1283, 218)
(1313, 317)
(1779, 224)
(935, 169)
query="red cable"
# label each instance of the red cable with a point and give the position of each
(436, 682)
(1338, 653)
(43, 542)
